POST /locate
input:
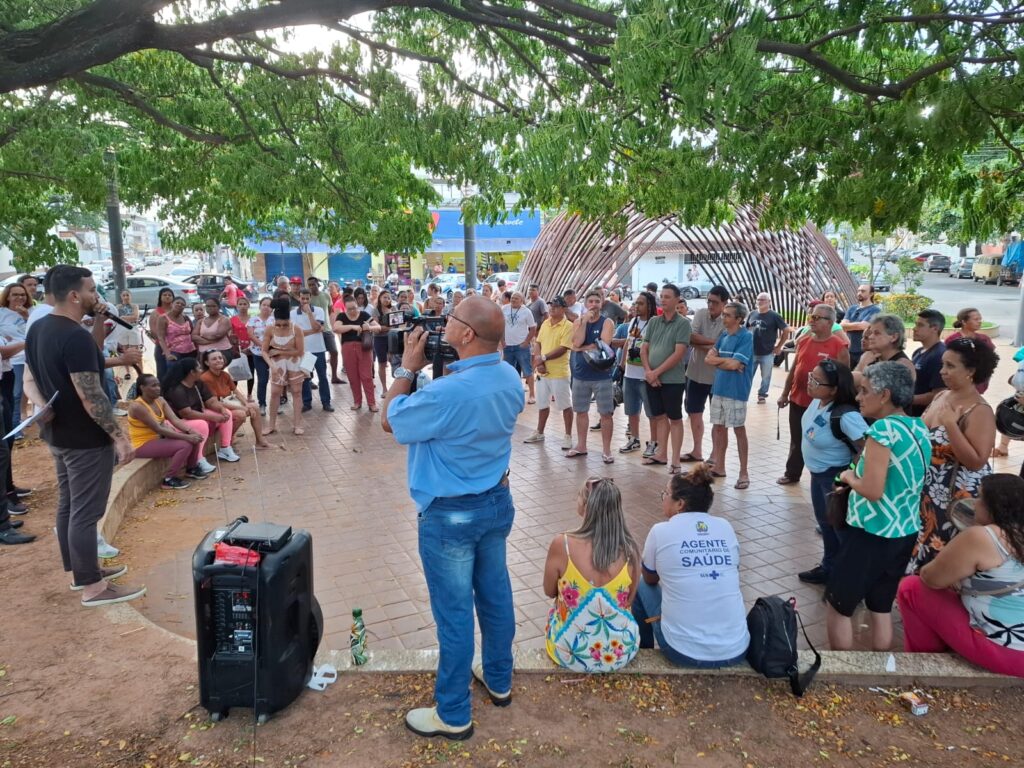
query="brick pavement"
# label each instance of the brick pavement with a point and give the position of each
(344, 480)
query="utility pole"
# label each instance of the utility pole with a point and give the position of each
(114, 219)
(469, 241)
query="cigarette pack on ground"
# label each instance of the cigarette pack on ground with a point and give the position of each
(914, 703)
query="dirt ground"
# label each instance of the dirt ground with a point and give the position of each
(78, 689)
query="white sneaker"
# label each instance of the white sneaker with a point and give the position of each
(206, 466)
(567, 443)
(120, 412)
(536, 437)
(104, 550)
(228, 454)
(263, 410)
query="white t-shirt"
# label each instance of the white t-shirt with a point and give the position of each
(315, 341)
(38, 312)
(579, 308)
(634, 338)
(697, 558)
(518, 323)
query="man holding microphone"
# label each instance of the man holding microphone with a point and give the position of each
(459, 433)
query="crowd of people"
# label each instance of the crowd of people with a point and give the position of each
(894, 446)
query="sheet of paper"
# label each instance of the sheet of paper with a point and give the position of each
(40, 413)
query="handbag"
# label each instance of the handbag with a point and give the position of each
(837, 505)
(367, 339)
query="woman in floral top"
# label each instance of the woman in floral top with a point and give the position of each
(592, 575)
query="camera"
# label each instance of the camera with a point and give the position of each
(435, 351)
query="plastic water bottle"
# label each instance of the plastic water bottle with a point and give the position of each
(357, 638)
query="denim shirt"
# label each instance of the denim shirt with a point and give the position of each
(459, 428)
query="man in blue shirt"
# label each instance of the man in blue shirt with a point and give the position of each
(732, 357)
(459, 433)
(858, 319)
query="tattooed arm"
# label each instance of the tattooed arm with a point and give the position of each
(89, 386)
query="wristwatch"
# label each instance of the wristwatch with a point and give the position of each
(404, 373)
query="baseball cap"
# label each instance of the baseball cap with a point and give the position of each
(558, 301)
(295, 280)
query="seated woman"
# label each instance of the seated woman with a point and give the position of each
(689, 598)
(882, 515)
(970, 598)
(183, 389)
(220, 384)
(592, 574)
(156, 433)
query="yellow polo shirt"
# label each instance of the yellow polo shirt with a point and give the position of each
(551, 337)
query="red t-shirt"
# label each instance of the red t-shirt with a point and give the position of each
(810, 352)
(241, 333)
(231, 295)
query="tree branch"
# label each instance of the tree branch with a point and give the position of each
(131, 97)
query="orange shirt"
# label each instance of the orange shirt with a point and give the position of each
(221, 386)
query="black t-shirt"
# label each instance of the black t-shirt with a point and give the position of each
(928, 363)
(344, 319)
(182, 397)
(56, 347)
(766, 327)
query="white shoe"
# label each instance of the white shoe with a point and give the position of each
(536, 437)
(104, 550)
(228, 454)
(425, 722)
(263, 410)
(120, 412)
(206, 466)
(567, 443)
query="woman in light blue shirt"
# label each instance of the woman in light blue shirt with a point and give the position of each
(832, 432)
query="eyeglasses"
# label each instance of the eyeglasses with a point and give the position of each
(456, 317)
(818, 317)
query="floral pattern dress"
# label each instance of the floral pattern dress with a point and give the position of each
(937, 498)
(591, 628)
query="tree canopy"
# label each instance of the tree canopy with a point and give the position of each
(858, 110)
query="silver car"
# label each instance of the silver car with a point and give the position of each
(145, 289)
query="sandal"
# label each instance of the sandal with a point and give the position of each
(607, 458)
(742, 485)
(998, 452)
(574, 454)
(298, 431)
(717, 474)
(531, 400)
(651, 460)
(688, 457)
(675, 469)
(374, 409)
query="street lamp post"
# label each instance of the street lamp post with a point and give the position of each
(114, 219)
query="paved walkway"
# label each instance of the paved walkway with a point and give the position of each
(344, 481)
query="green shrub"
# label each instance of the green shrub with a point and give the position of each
(905, 305)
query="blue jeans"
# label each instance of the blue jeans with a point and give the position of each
(764, 363)
(110, 383)
(520, 355)
(821, 487)
(634, 394)
(262, 373)
(647, 603)
(462, 547)
(324, 387)
(19, 377)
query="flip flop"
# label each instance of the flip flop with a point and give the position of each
(572, 454)
(998, 452)
(688, 457)
(651, 460)
(531, 400)
(742, 485)
(718, 474)
(675, 469)
(607, 458)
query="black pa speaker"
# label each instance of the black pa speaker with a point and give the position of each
(257, 627)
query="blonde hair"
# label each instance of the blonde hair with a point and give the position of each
(604, 524)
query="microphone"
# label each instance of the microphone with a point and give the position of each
(111, 316)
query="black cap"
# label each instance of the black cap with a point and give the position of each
(558, 301)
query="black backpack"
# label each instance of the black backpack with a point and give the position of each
(834, 421)
(772, 624)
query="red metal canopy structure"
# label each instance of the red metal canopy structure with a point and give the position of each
(793, 266)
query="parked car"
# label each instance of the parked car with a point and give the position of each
(185, 270)
(963, 269)
(510, 278)
(211, 285)
(449, 282)
(987, 268)
(937, 262)
(881, 283)
(154, 261)
(694, 289)
(146, 289)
